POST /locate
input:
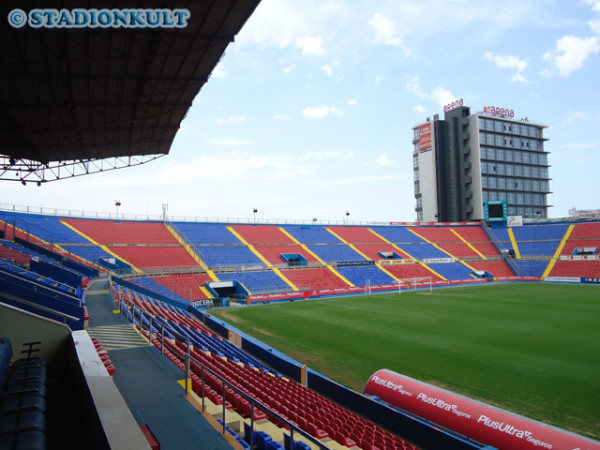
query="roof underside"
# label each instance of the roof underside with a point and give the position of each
(84, 95)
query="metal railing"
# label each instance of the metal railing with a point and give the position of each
(40, 286)
(188, 359)
(492, 237)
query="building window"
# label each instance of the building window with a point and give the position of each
(519, 198)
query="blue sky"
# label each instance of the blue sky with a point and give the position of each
(310, 112)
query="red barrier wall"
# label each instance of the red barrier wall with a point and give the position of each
(484, 423)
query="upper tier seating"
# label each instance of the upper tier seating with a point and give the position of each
(487, 249)
(155, 255)
(472, 234)
(501, 234)
(205, 233)
(423, 251)
(123, 232)
(356, 235)
(336, 253)
(436, 234)
(544, 232)
(538, 248)
(397, 235)
(47, 228)
(586, 231)
(311, 234)
(88, 252)
(272, 253)
(227, 256)
(372, 251)
(263, 234)
(459, 250)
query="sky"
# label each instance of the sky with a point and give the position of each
(309, 113)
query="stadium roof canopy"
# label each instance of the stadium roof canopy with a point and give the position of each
(75, 101)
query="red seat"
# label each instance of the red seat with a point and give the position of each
(344, 440)
(317, 432)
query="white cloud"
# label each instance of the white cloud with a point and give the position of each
(595, 25)
(419, 109)
(386, 33)
(327, 69)
(321, 111)
(289, 68)
(439, 95)
(570, 54)
(230, 119)
(595, 4)
(220, 71)
(573, 116)
(383, 160)
(311, 46)
(507, 61)
(518, 78)
(442, 96)
(581, 145)
(352, 102)
(365, 179)
(320, 156)
(228, 141)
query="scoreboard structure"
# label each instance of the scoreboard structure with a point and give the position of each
(495, 211)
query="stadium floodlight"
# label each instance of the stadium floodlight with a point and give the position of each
(117, 204)
(347, 214)
(254, 210)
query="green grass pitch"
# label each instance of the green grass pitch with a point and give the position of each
(533, 349)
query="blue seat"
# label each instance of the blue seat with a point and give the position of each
(274, 445)
(263, 439)
(30, 440)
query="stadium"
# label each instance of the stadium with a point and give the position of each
(122, 331)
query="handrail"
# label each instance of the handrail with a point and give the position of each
(42, 286)
(188, 358)
(492, 237)
(62, 315)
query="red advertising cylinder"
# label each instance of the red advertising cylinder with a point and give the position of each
(484, 423)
